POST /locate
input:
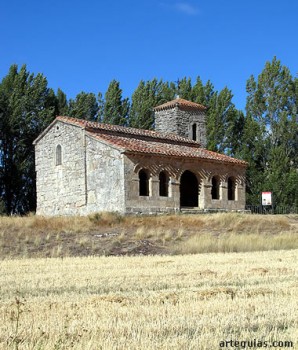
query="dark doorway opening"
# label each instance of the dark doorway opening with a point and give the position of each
(189, 190)
(163, 184)
(215, 187)
(231, 188)
(194, 132)
(143, 183)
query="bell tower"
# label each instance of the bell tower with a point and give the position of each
(183, 118)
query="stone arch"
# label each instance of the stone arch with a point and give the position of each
(156, 167)
(215, 182)
(152, 169)
(144, 177)
(189, 189)
(164, 181)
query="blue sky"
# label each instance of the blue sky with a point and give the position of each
(83, 45)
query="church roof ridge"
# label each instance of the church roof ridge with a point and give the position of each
(148, 141)
(140, 141)
(181, 103)
(95, 126)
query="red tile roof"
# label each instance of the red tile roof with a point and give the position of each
(139, 141)
(97, 127)
(182, 104)
(156, 147)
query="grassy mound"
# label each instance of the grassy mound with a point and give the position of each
(112, 234)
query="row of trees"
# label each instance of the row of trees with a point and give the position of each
(266, 135)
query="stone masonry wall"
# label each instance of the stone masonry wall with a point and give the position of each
(152, 203)
(166, 121)
(203, 170)
(180, 122)
(96, 177)
(185, 121)
(105, 177)
(60, 188)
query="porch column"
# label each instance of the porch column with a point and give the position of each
(205, 194)
(175, 192)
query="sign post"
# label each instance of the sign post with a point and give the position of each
(267, 200)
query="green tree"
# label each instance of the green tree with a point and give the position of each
(27, 106)
(201, 93)
(184, 88)
(221, 117)
(84, 106)
(252, 150)
(147, 96)
(224, 122)
(271, 103)
(141, 113)
(62, 107)
(115, 108)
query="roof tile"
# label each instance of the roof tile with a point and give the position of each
(93, 126)
(139, 141)
(182, 104)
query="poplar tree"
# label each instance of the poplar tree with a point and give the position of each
(224, 123)
(221, 116)
(141, 113)
(27, 106)
(202, 93)
(84, 106)
(184, 88)
(147, 96)
(62, 107)
(252, 150)
(115, 107)
(271, 103)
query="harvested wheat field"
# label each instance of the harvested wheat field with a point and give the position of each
(151, 302)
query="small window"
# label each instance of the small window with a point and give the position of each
(143, 183)
(231, 188)
(215, 187)
(58, 155)
(194, 132)
(163, 184)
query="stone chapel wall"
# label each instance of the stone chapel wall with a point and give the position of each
(105, 177)
(60, 188)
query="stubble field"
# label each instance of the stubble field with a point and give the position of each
(150, 302)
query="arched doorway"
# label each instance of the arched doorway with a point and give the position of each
(143, 183)
(189, 190)
(215, 187)
(163, 184)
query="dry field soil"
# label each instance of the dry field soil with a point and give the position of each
(150, 302)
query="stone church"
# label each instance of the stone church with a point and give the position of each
(84, 167)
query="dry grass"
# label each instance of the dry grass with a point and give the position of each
(173, 302)
(233, 242)
(69, 224)
(112, 234)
